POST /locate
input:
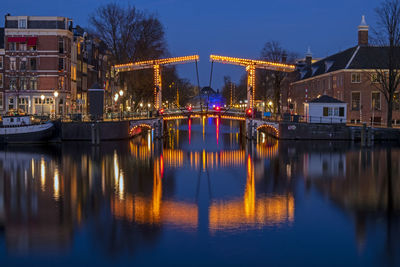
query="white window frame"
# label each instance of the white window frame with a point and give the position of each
(356, 77)
(22, 23)
(13, 63)
(1, 100)
(380, 100)
(1, 62)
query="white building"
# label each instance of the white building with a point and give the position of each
(325, 109)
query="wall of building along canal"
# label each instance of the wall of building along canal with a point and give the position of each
(86, 131)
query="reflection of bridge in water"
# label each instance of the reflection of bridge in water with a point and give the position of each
(249, 212)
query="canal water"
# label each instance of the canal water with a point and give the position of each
(200, 196)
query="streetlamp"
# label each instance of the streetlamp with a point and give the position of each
(148, 109)
(121, 93)
(55, 103)
(42, 100)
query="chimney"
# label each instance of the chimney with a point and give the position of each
(308, 57)
(363, 32)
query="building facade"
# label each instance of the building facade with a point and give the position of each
(37, 64)
(2, 54)
(350, 76)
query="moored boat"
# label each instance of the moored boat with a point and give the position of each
(21, 129)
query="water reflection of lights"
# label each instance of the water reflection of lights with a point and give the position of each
(149, 141)
(56, 185)
(33, 168)
(153, 210)
(42, 173)
(190, 129)
(217, 129)
(121, 186)
(267, 211)
(251, 211)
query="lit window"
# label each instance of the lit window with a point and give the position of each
(1, 62)
(22, 83)
(1, 80)
(356, 77)
(396, 101)
(33, 83)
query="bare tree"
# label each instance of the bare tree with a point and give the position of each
(273, 51)
(387, 36)
(130, 35)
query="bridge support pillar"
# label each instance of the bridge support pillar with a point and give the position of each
(251, 130)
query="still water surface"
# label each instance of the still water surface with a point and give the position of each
(200, 196)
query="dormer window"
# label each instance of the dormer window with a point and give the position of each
(22, 24)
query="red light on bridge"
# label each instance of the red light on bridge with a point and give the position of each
(189, 108)
(161, 111)
(249, 112)
(217, 108)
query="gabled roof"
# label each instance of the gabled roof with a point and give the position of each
(332, 63)
(358, 57)
(326, 99)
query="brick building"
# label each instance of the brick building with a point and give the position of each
(91, 65)
(37, 64)
(349, 76)
(2, 53)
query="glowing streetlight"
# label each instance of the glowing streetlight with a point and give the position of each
(141, 105)
(116, 97)
(55, 102)
(148, 105)
(270, 104)
(42, 98)
(121, 93)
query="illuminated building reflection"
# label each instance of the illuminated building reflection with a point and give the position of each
(155, 210)
(250, 212)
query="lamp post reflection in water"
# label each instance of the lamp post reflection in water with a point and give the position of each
(42, 173)
(56, 185)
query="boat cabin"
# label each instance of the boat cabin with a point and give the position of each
(16, 120)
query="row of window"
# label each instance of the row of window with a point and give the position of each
(12, 46)
(375, 101)
(333, 111)
(32, 64)
(23, 64)
(23, 83)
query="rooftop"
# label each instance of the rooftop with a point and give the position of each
(358, 57)
(325, 99)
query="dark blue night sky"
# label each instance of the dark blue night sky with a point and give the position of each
(232, 28)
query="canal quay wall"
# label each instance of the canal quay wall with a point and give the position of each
(100, 131)
(105, 130)
(318, 131)
(314, 131)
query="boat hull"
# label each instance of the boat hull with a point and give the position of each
(40, 133)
